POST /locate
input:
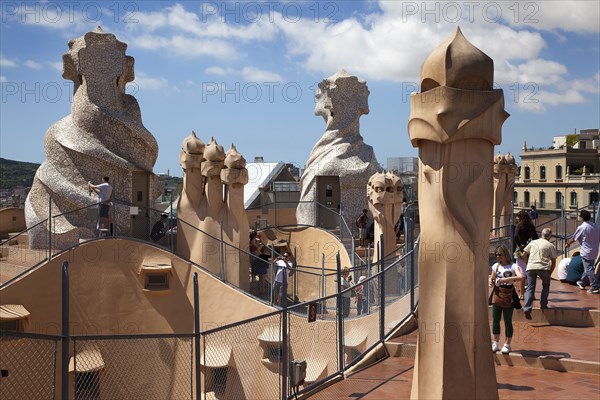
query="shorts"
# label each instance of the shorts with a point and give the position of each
(362, 233)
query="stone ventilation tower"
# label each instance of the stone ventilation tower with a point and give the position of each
(505, 170)
(211, 206)
(455, 122)
(340, 163)
(103, 136)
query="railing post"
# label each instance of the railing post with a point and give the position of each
(49, 227)
(340, 313)
(323, 282)
(382, 291)
(272, 274)
(369, 274)
(222, 254)
(511, 228)
(368, 288)
(295, 277)
(284, 336)
(65, 333)
(559, 242)
(197, 336)
(353, 251)
(563, 217)
(412, 264)
(171, 237)
(340, 225)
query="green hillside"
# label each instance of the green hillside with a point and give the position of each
(16, 173)
(19, 173)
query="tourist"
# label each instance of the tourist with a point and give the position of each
(533, 215)
(254, 244)
(159, 231)
(524, 233)
(504, 274)
(575, 270)
(104, 191)
(260, 268)
(361, 299)
(540, 256)
(346, 281)
(284, 268)
(562, 269)
(588, 236)
(361, 224)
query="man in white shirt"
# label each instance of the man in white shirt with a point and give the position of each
(104, 191)
(540, 256)
(588, 236)
(284, 267)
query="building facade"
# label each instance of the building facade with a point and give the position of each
(564, 174)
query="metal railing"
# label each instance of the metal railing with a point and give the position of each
(249, 358)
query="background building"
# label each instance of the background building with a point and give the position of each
(567, 173)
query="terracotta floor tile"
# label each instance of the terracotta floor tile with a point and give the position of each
(392, 378)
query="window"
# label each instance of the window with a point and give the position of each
(542, 200)
(157, 281)
(593, 197)
(527, 173)
(558, 199)
(12, 317)
(11, 325)
(526, 200)
(516, 198)
(559, 172)
(573, 199)
(542, 173)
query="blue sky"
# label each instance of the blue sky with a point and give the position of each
(245, 72)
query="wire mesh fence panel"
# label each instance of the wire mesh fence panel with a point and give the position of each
(361, 327)
(244, 361)
(133, 367)
(31, 366)
(397, 293)
(314, 341)
(327, 308)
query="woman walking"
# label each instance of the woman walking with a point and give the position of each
(524, 233)
(504, 274)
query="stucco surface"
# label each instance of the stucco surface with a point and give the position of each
(103, 136)
(341, 100)
(455, 122)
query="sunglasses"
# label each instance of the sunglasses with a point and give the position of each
(499, 255)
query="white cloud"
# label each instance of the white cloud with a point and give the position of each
(187, 47)
(6, 63)
(184, 33)
(146, 82)
(32, 64)
(220, 71)
(589, 85)
(540, 71)
(572, 16)
(252, 74)
(529, 97)
(56, 65)
(3, 78)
